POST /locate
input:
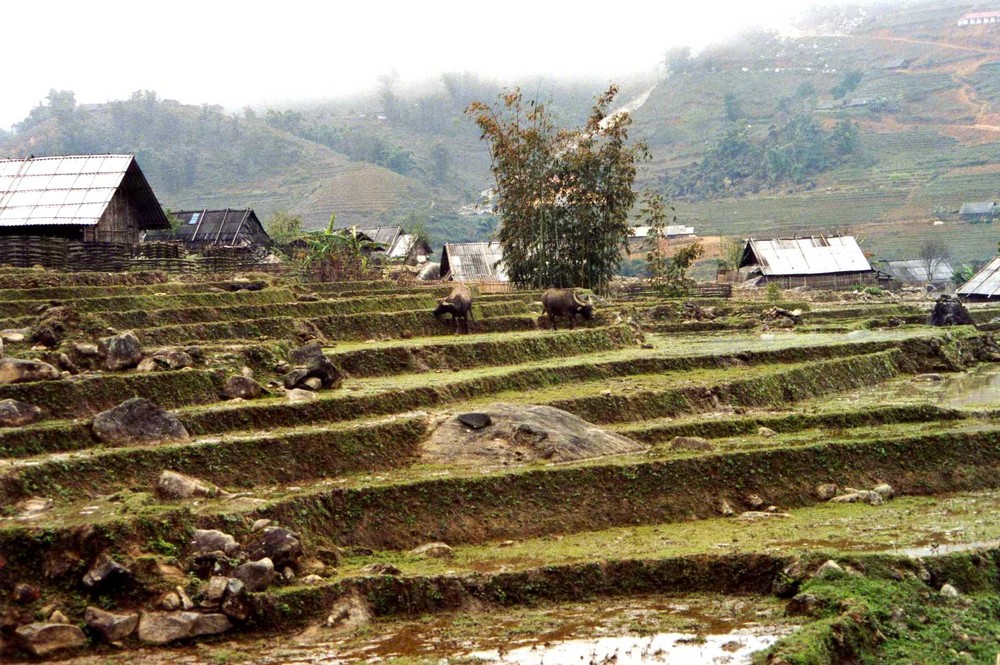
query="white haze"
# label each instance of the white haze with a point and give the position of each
(256, 53)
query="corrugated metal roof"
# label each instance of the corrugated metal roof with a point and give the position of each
(978, 208)
(915, 270)
(985, 283)
(821, 255)
(473, 261)
(383, 235)
(74, 189)
(672, 230)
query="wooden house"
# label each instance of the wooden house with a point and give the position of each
(88, 198)
(203, 229)
(979, 211)
(473, 262)
(984, 285)
(823, 262)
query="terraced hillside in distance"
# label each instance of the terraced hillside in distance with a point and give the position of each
(324, 473)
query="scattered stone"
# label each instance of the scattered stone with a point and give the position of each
(165, 627)
(260, 524)
(754, 501)
(931, 377)
(295, 379)
(826, 491)
(381, 569)
(306, 353)
(475, 421)
(948, 591)
(803, 604)
(311, 383)
(58, 617)
(312, 580)
(169, 601)
(173, 485)
(241, 387)
(690, 443)
(761, 514)
(433, 551)
(255, 575)
(830, 569)
(506, 543)
(349, 612)
(44, 639)
(787, 583)
(210, 540)
(725, 509)
(14, 335)
(766, 432)
(288, 575)
(138, 420)
(16, 370)
(105, 572)
(25, 594)
(53, 324)
(109, 625)
(308, 297)
(120, 351)
(166, 359)
(299, 395)
(859, 496)
(328, 373)
(885, 491)
(949, 311)
(213, 591)
(277, 544)
(185, 599)
(33, 507)
(236, 605)
(210, 624)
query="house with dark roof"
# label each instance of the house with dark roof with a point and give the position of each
(823, 262)
(203, 229)
(397, 244)
(979, 211)
(473, 262)
(88, 198)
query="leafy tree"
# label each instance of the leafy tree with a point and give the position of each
(337, 254)
(847, 84)
(563, 195)
(654, 215)
(732, 253)
(731, 107)
(677, 60)
(440, 162)
(675, 281)
(283, 227)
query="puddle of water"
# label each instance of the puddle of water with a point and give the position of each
(730, 648)
(937, 549)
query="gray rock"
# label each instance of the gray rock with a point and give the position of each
(299, 395)
(105, 572)
(949, 311)
(166, 359)
(236, 605)
(754, 501)
(766, 432)
(260, 524)
(210, 540)
(433, 551)
(44, 639)
(58, 617)
(18, 414)
(690, 443)
(295, 379)
(829, 570)
(826, 491)
(312, 580)
(210, 624)
(311, 383)
(173, 485)
(281, 546)
(241, 387)
(803, 604)
(381, 569)
(120, 351)
(349, 612)
(186, 603)
(109, 625)
(725, 509)
(475, 420)
(859, 496)
(138, 420)
(885, 491)
(213, 591)
(948, 591)
(255, 575)
(15, 370)
(306, 353)
(170, 601)
(165, 627)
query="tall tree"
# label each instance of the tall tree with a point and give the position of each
(564, 195)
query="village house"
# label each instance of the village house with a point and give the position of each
(978, 18)
(397, 244)
(473, 262)
(819, 262)
(87, 198)
(919, 271)
(984, 285)
(640, 239)
(979, 211)
(203, 229)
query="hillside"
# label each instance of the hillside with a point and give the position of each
(921, 94)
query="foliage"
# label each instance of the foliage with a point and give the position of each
(962, 274)
(654, 215)
(633, 268)
(564, 196)
(283, 227)
(338, 254)
(677, 60)
(675, 279)
(732, 253)
(773, 292)
(731, 107)
(172, 219)
(847, 84)
(740, 162)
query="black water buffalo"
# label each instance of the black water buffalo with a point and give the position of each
(565, 302)
(458, 303)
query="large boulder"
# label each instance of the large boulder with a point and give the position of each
(54, 324)
(121, 351)
(520, 433)
(138, 420)
(166, 359)
(44, 639)
(210, 540)
(165, 627)
(109, 625)
(14, 370)
(241, 387)
(281, 546)
(255, 575)
(321, 369)
(173, 485)
(306, 353)
(18, 414)
(949, 311)
(105, 573)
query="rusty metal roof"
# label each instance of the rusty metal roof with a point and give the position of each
(820, 255)
(71, 189)
(985, 283)
(473, 261)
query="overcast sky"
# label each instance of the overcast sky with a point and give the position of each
(253, 53)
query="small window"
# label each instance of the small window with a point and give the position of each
(194, 218)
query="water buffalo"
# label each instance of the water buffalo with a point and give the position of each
(458, 303)
(565, 302)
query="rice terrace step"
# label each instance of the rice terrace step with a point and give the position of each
(769, 471)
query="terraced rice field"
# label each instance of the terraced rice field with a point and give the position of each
(705, 540)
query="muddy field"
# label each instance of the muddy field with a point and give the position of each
(325, 474)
